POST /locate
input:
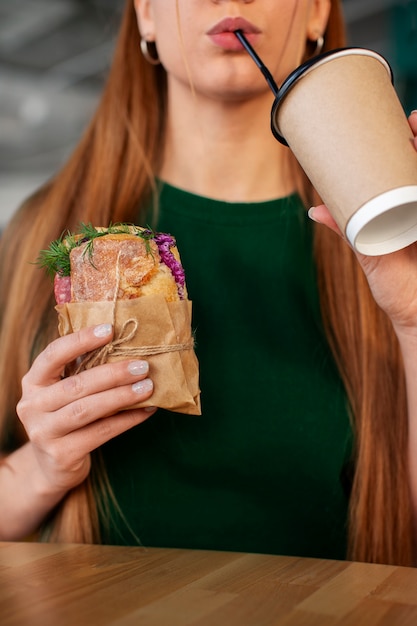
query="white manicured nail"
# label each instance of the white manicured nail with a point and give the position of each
(102, 330)
(138, 367)
(143, 386)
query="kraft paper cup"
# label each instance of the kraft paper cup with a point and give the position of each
(342, 118)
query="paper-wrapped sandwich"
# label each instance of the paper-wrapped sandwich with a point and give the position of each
(131, 277)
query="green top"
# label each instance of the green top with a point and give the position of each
(260, 470)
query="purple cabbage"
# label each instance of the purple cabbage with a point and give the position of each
(165, 242)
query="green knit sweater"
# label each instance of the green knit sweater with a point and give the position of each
(261, 469)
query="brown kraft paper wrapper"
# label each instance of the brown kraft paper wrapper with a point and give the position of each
(147, 328)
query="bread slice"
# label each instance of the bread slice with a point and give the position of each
(120, 266)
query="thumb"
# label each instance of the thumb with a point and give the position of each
(321, 215)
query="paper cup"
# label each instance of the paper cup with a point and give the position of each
(342, 118)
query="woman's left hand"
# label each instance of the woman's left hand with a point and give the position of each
(391, 277)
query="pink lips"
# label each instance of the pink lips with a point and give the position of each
(222, 33)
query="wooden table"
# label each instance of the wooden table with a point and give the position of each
(77, 585)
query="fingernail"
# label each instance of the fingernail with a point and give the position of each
(149, 409)
(138, 367)
(311, 213)
(143, 386)
(102, 330)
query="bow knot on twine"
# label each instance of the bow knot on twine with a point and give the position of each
(118, 348)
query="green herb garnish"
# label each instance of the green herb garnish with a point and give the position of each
(56, 259)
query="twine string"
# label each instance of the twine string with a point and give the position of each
(118, 348)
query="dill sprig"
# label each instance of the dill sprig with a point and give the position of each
(56, 259)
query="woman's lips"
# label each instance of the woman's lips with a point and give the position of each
(222, 33)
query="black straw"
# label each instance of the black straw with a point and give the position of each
(269, 79)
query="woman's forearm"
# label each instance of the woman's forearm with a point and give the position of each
(25, 497)
(408, 343)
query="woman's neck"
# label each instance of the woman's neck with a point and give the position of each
(226, 150)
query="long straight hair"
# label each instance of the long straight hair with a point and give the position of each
(109, 178)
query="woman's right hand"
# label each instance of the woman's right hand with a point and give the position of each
(67, 418)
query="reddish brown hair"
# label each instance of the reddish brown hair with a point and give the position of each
(108, 178)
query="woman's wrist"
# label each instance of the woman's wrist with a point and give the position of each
(406, 335)
(26, 496)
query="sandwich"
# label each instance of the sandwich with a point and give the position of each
(87, 266)
(132, 277)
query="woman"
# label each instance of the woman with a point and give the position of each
(285, 456)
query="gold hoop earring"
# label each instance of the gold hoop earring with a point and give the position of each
(319, 45)
(151, 58)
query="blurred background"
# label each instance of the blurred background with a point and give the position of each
(53, 60)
